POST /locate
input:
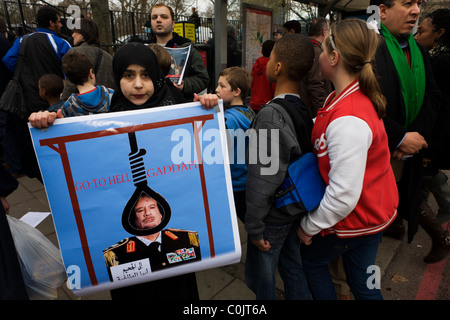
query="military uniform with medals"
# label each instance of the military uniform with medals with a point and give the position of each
(177, 247)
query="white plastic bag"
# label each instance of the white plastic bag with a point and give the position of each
(40, 261)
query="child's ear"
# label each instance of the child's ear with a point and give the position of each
(440, 33)
(382, 10)
(335, 58)
(42, 91)
(237, 92)
(91, 74)
(278, 68)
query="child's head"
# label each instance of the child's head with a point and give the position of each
(292, 57)
(77, 68)
(50, 87)
(267, 47)
(292, 26)
(88, 32)
(137, 73)
(163, 56)
(353, 43)
(234, 84)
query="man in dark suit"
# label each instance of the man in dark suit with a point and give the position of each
(412, 97)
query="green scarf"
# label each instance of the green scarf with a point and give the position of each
(412, 80)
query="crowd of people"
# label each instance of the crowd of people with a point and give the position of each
(371, 103)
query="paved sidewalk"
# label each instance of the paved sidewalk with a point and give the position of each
(224, 283)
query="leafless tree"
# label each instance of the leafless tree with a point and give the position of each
(233, 8)
(302, 11)
(431, 5)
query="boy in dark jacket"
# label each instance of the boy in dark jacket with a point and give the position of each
(272, 233)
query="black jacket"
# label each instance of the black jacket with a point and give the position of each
(410, 186)
(12, 286)
(440, 142)
(395, 108)
(40, 58)
(5, 74)
(177, 247)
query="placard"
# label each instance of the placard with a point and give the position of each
(179, 57)
(101, 173)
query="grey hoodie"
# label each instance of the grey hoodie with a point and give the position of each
(276, 130)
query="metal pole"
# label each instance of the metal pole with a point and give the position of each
(220, 36)
(22, 17)
(8, 19)
(113, 32)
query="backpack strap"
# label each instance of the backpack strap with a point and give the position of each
(299, 117)
(97, 62)
(19, 62)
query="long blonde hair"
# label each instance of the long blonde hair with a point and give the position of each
(356, 44)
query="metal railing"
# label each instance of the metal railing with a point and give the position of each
(20, 18)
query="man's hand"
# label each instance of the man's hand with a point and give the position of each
(413, 143)
(262, 244)
(397, 154)
(44, 119)
(208, 100)
(304, 238)
(5, 204)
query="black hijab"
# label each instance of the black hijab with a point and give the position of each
(140, 54)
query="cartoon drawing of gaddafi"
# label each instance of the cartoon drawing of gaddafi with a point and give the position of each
(145, 216)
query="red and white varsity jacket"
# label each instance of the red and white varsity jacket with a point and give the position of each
(351, 146)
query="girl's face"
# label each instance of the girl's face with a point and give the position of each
(136, 84)
(224, 90)
(426, 35)
(77, 38)
(325, 62)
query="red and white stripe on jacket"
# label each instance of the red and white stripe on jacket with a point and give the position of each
(351, 145)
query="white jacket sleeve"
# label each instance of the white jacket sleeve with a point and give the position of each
(349, 139)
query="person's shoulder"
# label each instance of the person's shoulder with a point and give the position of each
(172, 234)
(290, 99)
(382, 46)
(118, 245)
(180, 40)
(442, 59)
(101, 92)
(241, 111)
(422, 49)
(4, 41)
(231, 114)
(104, 88)
(70, 100)
(85, 49)
(56, 106)
(271, 110)
(58, 38)
(267, 113)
